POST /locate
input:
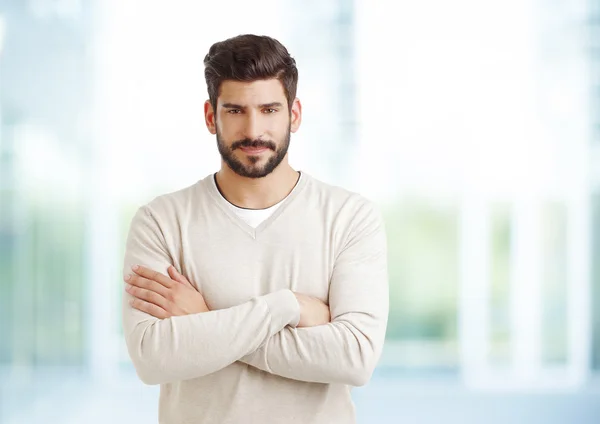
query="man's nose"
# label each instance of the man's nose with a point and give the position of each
(253, 129)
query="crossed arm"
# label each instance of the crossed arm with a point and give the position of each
(184, 340)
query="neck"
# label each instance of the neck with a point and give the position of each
(257, 193)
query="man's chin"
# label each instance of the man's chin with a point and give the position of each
(254, 173)
(253, 166)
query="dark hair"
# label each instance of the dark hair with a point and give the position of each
(249, 58)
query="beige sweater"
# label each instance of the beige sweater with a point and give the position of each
(244, 361)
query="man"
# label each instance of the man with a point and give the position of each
(258, 294)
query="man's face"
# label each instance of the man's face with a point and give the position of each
(253, 125)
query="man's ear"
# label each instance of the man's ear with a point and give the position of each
(209, 117)
(296, 115)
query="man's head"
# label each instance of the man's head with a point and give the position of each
(252, 106)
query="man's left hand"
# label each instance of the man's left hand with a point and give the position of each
(161, 296)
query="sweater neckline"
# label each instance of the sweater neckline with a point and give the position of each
(224, 205)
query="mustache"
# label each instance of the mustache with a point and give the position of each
(253, 143)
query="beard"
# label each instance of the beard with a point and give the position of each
(253, 169)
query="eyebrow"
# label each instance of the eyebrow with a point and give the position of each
(262, 106)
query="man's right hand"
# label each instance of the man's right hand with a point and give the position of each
(313, 311)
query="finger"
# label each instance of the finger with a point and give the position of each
(175, 275)
(150, 274)
(148, 296)
(144, 283)
(149, 308)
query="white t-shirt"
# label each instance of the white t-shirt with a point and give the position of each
(255, 217)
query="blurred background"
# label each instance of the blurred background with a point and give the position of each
(474, 124)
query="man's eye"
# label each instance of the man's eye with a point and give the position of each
(270, 110)
(234, 111)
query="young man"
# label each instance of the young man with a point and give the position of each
(258, 294)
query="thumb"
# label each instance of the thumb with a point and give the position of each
(175, 275)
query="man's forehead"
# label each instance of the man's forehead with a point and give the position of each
(251, 92)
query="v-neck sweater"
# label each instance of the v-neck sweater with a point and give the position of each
(245, 361)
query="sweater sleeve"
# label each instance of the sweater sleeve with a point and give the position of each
(191, 346)
(347, 349)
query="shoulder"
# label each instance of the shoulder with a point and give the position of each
(346, 203)
(349, 213)
(179, 202)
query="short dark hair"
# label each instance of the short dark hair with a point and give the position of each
(249, 57)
